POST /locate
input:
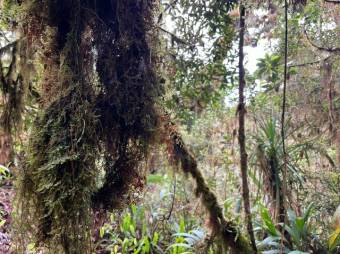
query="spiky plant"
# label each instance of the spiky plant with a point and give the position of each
(268, 159)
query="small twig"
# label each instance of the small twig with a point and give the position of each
(95, 15)
(82, 133)
(4, 36)
(175, 37)
(171, 5)
(173, 198)
(332, 1)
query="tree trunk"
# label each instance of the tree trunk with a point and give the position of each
(241, 134)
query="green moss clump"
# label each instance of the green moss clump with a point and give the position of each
(83, 119)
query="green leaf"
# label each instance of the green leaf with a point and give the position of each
(155, 178)
(268, 222)
(146, 247)
(31, 247)
(155, 238)
(270, 241)
(334, 239)
(4, 170)
(182, 225)
(293, 233)
(184, 245)
(132, 230)
(300, 224)
(101, 232)
(112, 217)
(308, 212)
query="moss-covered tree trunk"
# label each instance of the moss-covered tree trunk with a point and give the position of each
(98, 90)
(241, 131)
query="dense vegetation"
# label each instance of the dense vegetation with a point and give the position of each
(175, 126)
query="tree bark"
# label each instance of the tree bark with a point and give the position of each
(241, 133)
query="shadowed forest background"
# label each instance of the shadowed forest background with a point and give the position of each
(173, 126)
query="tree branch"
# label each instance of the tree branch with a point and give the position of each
(2, 33)
(332, 1)
(226, 231)
(8, 46)
(308, 63)
(174, 37)
(314, 45)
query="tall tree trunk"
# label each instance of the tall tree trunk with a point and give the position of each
(327, 84)
(283, 206)
(241, 134)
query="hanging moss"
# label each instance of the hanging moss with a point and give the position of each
(83, 119)
(125, 65)
(12, 93)
(99, 91)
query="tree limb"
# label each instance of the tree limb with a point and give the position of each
(308, 63)
(226, 231)
(173, 36)
(8, 46)
(332, 1)
(314, 45)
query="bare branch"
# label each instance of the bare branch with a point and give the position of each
(173, 36)
(308, 63)
(332, 1)
(2, 33)
(8, 46)
(171, 5)
(331, 50)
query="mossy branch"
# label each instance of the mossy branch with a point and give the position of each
(227, 231)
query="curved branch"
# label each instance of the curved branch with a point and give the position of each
(226, 231)
(314, 45)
